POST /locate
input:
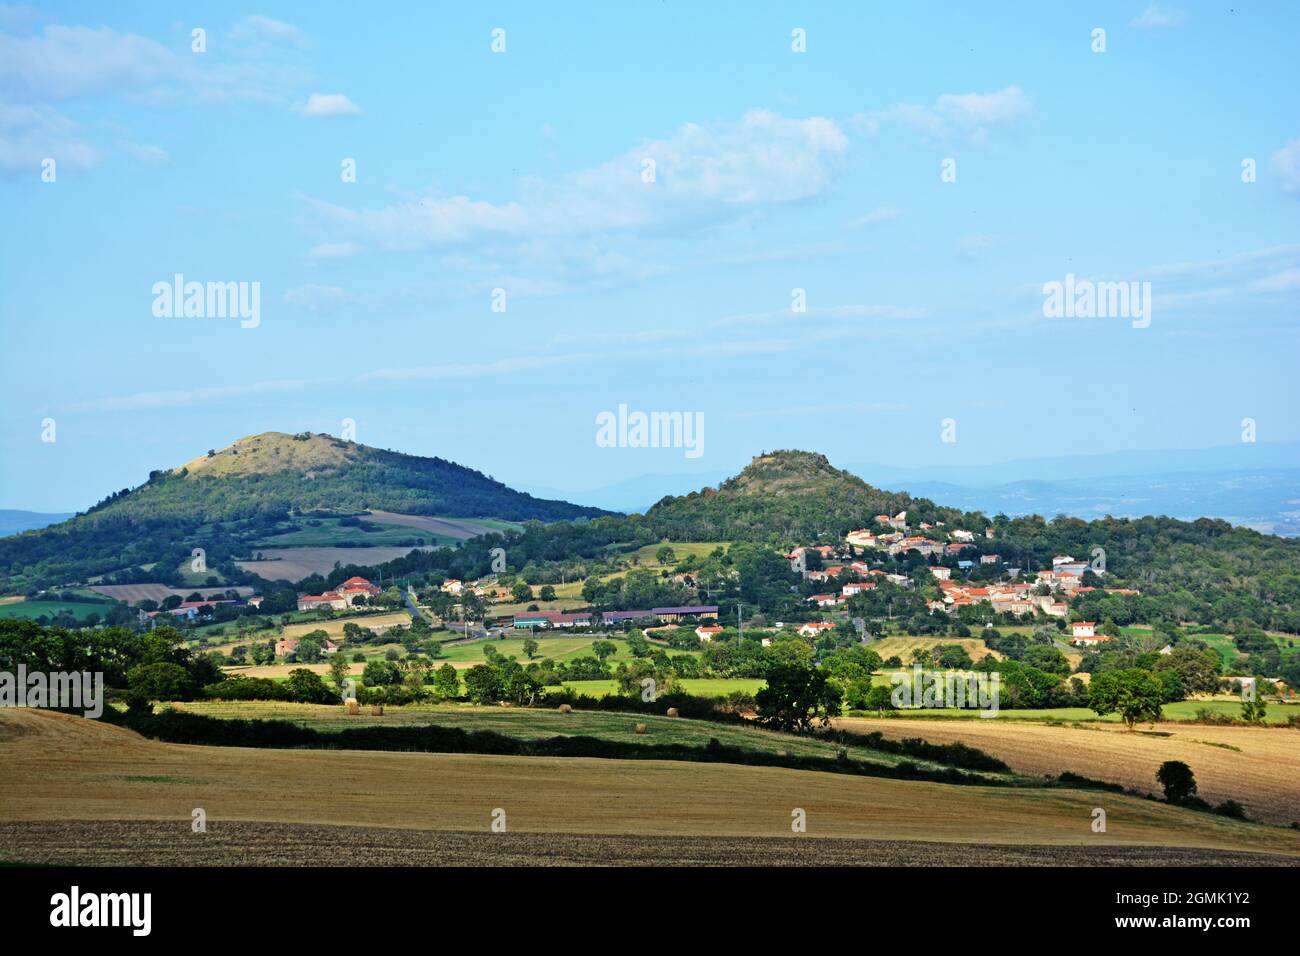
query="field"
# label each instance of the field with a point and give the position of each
(294, 564)
(334, 626)
(556, 648)
(133, 593)
(701, 687)
(1258, 767)
(457, 528)
(61, 768)
(1179, 710)
(530, 724)
(327, 532)
(902, 646)
(31, 610)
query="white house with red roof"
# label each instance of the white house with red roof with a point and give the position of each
(813, 628)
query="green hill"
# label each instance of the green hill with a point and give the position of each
(782, 496)
(224, 500)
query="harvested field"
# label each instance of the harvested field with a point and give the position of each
(171, 843)
(902, 646)
(459, 528)
(1257, 767)
(294, 564)
(131, 593)
(334, 627)
(61, 768)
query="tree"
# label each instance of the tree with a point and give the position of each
(380, 673)
(1198, 670)
(339, 670)
(604, 649)
(530, 647)
(521, 592)
(483, 684)
(1253, 707)
(547, 593)
(1133, 693)
(1177, 779)
(666, 555)
(307, 687)
(309, 649)
(161, 681)
(880, 699)
(446, 682)
(796, 696)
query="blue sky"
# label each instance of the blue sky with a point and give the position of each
(522, 170)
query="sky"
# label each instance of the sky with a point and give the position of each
(821, 226)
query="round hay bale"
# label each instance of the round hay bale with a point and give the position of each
(641, 728)
(377, 710)
(672, 712)
(566, 709)
(351, 706)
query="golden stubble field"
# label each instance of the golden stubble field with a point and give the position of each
(1257, 767)
(61, 768)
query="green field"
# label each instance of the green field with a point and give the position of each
(564, 648)
(30, 610)
(328, 533)
(700, 687)
(536, 723)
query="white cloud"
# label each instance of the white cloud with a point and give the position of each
(883, 214)
(63, 62)
(31, 134)
(974, 244)
(330, 104)
(702, 174)
(1158, 17)
(1286, 164)
(953, 113)
(256, 29)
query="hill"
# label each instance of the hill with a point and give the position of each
(224, 500)
(795, 496)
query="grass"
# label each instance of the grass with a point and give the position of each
(327, 532)
(30, 610)
(535, 724)
(557, 648)
(700, 687)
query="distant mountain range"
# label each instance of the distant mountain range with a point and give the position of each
(12, 522)
(1256, 486)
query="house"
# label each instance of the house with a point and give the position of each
(551, 619)
(671, 615)
(959, 535)
(255, 601)
(943, 574)
(813, 628)
(1083, 628)
(766, 640)
(706, 632)
(314, 602)
(1089, 640)
(990, 558)
(452, 586)
(857, 587)
(342, 597)
(288, 645)
(622, 617)
(825, 600)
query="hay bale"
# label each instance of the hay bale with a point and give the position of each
(351, 706)
(672, 712)
(377, 710)
(641, 728)
(566, 709)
